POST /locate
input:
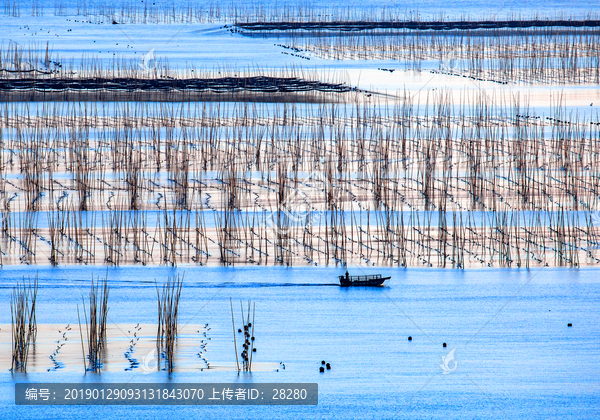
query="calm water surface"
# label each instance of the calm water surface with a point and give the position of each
(515, 356)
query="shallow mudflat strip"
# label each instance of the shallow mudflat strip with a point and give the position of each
(129, 347)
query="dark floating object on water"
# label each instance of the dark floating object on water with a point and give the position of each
(444, 345)
(410, 338)
(321, 369)
(239, 330)
(254, 350)
(373, 280)
(569, 325)
(322, 362)
(252, 338)
(328, 366)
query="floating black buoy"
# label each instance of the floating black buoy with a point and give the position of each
(328, 366)
(409, 338)
(249, 324)
(254, 350)
(239, 330)
(322, 362)
(252, 338)
(444, 345)
(569, 325)
(321, 369)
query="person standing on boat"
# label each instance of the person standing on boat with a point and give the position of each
(347, 276)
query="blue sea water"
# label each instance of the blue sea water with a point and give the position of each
(515, 356)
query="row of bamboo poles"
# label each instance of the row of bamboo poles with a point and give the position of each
(172, 12)
(199, 183)
(538, 55)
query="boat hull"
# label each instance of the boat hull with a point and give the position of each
(369, 281)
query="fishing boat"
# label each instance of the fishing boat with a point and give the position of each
(372, 280)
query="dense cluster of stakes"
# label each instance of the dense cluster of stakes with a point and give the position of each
(23, 321)
(95, 317)
(401, 183)
(168, 309)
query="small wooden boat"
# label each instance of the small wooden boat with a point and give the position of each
(373, 280)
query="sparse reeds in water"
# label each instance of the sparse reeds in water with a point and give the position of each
(168, 311)
(23, 322)
(96, 317)
(54, 237)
